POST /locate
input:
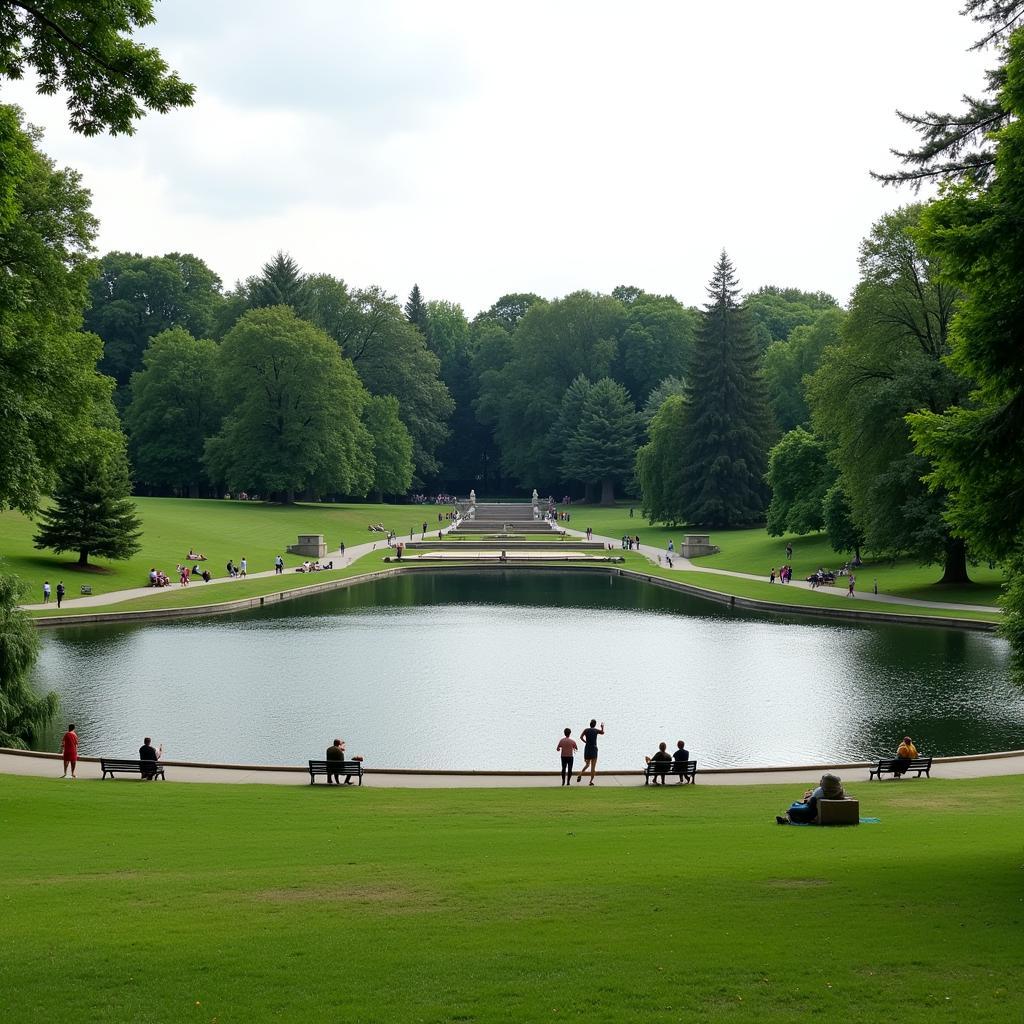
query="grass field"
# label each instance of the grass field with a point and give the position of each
(218, 529)
(136, 904)
(753, 551)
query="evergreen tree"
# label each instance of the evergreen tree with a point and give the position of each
(727, 424)
(602, 448)
(416, 311)
(656, 399)
(92, 512)
(23, 715)
(280, 283)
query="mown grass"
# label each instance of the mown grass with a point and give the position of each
(218, 529)
(132, 903)
(753, 551)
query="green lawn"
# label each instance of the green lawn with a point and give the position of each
(125, 902)
(219, 529)
(753, 551)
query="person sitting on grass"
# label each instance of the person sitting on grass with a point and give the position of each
(805, 811)
(662, 760)
(905, 753)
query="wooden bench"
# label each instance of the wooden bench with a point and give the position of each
(335, 768)
(687, 769)
(140, 768)
(897, 766)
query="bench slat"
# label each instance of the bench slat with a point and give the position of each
(335, 768)
(687, 769)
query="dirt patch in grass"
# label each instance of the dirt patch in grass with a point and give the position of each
(796, 883)
(394, 897)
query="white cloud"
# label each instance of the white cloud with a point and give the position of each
(480, 148)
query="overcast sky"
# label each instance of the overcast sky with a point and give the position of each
(480, 148)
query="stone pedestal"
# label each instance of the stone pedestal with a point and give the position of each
(696, 544)
(310, 545)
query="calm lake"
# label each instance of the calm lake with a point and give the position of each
(483, 671)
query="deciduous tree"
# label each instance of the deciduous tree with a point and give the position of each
(392, 447)
(292, 411)
(799, 474)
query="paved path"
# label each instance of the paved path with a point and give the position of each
(680, 564)
(352, 554)
(49, 766)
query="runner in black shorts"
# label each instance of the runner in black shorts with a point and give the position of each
(589, 737)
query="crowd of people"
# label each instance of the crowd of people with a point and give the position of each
(316, 566)
(631, 543)
(437, 499)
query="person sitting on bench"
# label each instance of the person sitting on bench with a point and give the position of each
(905, 753)
(662, 759)
(680, 759)
(336, 752)
(148, 753)
(805, 811)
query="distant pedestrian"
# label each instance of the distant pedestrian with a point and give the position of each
(850, 585)
(789, 552)
(278, 565)
(671, 546)
(637, 539)
(566, 746)
(771, 578)
(424, 527)
(589, 737)
(46, 591)
(60, 592)
(341, 548)
(69, 751)
(630, 513)
(243, 567)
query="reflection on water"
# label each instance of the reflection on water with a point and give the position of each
(458, 670)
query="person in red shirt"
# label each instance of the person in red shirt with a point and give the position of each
(69, 751)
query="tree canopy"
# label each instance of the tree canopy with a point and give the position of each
(84, 49)
(292, 411)
(48, 381)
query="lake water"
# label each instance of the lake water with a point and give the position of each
(484, 670)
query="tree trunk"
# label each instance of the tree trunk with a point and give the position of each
(956, 562)
(607, 492)
(83, 557)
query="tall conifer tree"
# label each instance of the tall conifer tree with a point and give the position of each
(416, 310)
(724, 449)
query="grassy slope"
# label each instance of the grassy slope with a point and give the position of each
(219, 529)
(126, 902)
(753, 551)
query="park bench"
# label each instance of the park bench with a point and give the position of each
(140, 768)
(689, 770)
(335, 767)
(86, 589)
(897, 766)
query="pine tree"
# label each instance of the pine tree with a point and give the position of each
(280, 283)
(416, 310)
(727, 423)
(92, 512)
(602, 448)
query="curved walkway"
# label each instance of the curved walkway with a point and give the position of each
(680, 564)
(44, 765)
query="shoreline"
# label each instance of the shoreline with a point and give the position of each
(45, 764)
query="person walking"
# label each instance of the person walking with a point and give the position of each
(789, 551)
(46, 591)
(566, 746)
(69, 751)
(850, 585)
(243, 566)
(60, 592)
(589, 737)
(278, 565)
(771, 578)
